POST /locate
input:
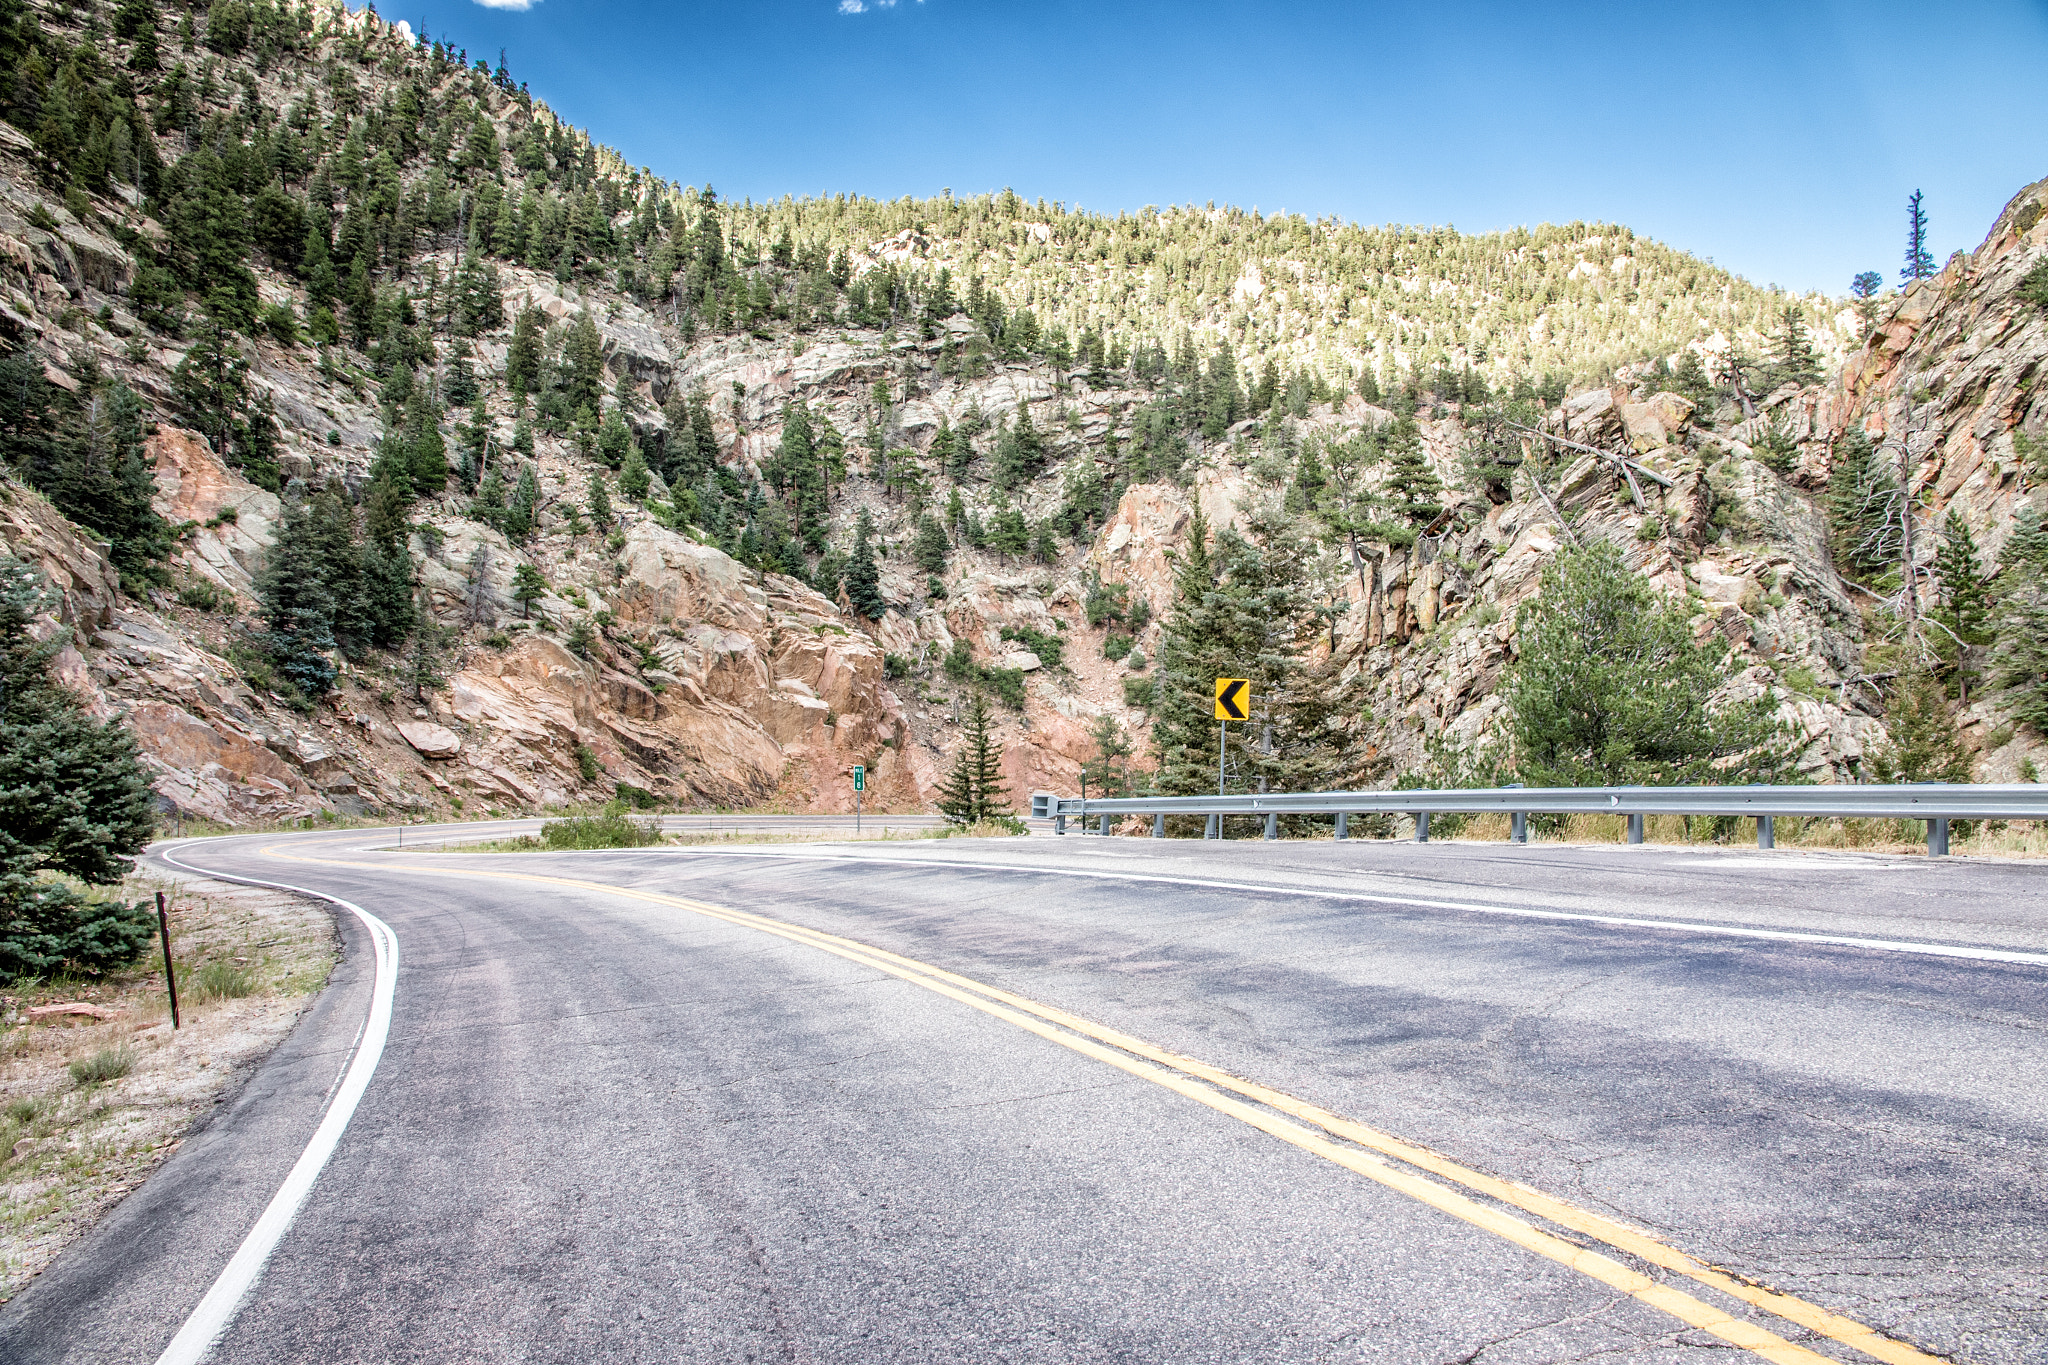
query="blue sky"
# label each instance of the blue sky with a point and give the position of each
(1780, 139)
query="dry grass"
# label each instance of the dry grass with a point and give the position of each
(88, 1106)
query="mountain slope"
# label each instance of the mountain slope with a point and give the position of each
(385, 308)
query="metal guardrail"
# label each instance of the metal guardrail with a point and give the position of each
(1934, 802)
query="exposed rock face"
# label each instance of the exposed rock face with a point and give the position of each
(1972, 350)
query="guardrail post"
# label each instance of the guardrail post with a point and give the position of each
(1159, 825)
(1937, 838)
(1422, 827)
(1214, 828)
(1272, 825)
(1635, 829)
(1105, 826)
(1343, 824)
(1059, 824)
(1518, 827)
(1766, 832)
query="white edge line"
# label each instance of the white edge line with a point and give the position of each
(1581, 917)
(217, 1310)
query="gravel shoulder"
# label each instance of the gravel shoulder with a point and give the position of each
(249, 962)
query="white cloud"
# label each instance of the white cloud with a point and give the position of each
(852, 7)
(845, 6)
(519, 5)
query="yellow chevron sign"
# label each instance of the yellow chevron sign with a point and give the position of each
(1233, 698)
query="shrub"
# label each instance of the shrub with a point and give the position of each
(1139, 692)
(587, 764)
(639, 798)
(108, 1064)
(1007, 684)
(1116, 645)
(1135, 661)
(201, 595)
(610, 830)
(895, 666)
(1050, 649)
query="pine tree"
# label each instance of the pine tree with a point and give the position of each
(634, 480)
(1862, 503)
(1795, 361)
(930, 547)
(74, 799)
(1611, 688)
(2020, 664)
(422, 671)
(974, 790)
(298, 605)
(1242, 609)
(1919, 260)
(1962, 595)
(600, 503)
(528, 587)
(522, 360)
(863, 579)
(1923, 744)
(1108, 771)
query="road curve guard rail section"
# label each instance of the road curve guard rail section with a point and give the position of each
(1936, 803)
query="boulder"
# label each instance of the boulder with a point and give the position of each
(430, 740)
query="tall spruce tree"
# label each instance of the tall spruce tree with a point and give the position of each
(863, 579)
(74, 800)
(1919, 260)
(974, 790)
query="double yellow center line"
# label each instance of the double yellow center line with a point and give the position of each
(1355, 1146)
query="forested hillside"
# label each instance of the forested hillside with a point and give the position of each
(396, 446)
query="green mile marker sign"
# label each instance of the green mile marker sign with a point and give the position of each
(860, 777)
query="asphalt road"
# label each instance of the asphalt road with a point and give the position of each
(635, 1106)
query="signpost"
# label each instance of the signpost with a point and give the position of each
(860, 784)
(1233, 702)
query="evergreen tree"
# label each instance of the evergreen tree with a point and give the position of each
(1243, 609)
(930, 547)
(298, 605)
(1020, 452)
(1962, 595)
(528, 587)
(522, 359)
(614, 439)
(2020, 664)
(974, 790)
(1108, 772)
(1919, 260)
(1923, 744)
(863, 579)
(1795, 360)
(1611, 688)
(634, 480)
(1863, 503)
(74, 800)
(422, 672)
(1414, 493)
(600, 503)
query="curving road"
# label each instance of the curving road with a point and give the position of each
(1116, 1100)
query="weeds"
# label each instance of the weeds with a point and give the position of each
(221, 980)
(108, 1064)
